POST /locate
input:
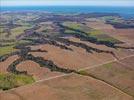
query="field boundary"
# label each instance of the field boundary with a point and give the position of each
(58, 76)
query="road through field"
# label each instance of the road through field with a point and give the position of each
(58, 76)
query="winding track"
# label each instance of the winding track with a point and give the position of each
(77, 72)
(24, 56)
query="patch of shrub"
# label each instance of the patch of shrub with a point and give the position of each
(9, 81)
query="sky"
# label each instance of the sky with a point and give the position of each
(67, 2)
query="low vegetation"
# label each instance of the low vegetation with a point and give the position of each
(8, 81)
(19, 37)
(93, 34)
(6, 50)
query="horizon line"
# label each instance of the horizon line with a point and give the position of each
(67, 5)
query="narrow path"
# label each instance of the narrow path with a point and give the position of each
(106, 63)
(80, 70)
(112, 85)
(86, 75)
(89, 75)
(105, 82)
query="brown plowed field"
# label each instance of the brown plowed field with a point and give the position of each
(72, 87)
(101, 47)
(4, 65)
(76, 59)
(66, 57)
(118, 52)
(121, 53)
(116, 74)
(125, 35)
(128, 62)
(35, 70)
(99, 25)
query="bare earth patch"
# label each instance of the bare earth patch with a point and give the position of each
(4, 65)
(99, 25)
(76, 59)
(116, 74)
(35, 70)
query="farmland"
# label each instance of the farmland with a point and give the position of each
(66, 57)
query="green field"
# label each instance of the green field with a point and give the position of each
(101, 36)
(6, 50)
(8, 81)
(17, 31)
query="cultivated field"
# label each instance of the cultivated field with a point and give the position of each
(66, 57)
